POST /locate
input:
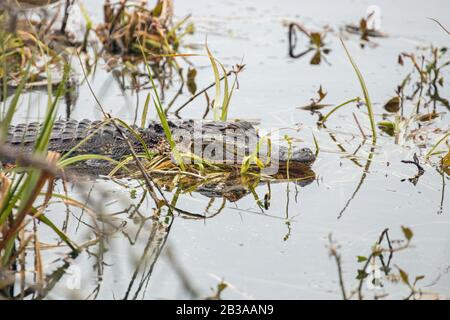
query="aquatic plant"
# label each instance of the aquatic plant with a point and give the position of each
(374, 275)
(367, 27)
(27, 191)
(128, 25)
(22, 186)
(220, 111)
(316, 43)
(325, 118)
(426, 77)
(316, 103)
(367, 101)
(32, 43)
(433, 148)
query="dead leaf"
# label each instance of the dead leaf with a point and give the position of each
(317, 58)
(428, 117)
(316, 39)
(393, 105)
(192, 86)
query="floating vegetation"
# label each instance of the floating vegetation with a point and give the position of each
(129, 24)
(420, 169)
(426, 78)
(393, 105)
(24, 46)
(417, 97)
(316, 102)
(364, 31)
(377, 270)
(388, 127)
(368, 27)
(130, 27)
(126, 25)
(316, 43)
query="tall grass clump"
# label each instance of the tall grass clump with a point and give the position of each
(21, 187)
(26, 189)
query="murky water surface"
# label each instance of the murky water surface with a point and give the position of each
(280, 252)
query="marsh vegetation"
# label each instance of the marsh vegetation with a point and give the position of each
(368, 219)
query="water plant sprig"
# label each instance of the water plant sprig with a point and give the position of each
(367, 101)
(162, 116)
(217, 82)
(325, 118)
(431, 151)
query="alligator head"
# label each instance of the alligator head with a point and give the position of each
(301, 156)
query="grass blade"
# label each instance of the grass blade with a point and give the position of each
(365, 92)
(61, 234)
(226, 97)
(162, 115)
(217, 81)
(44, 135)
(429, 153)
(83, 157)
(13, 104)
(145, 111)
(337, 108)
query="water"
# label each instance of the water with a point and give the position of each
(280, 252)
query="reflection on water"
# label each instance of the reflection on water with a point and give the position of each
(264, 239)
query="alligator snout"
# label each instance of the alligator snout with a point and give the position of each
(303, 155)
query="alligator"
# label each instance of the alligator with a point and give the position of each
(104, 138)
(223, 143)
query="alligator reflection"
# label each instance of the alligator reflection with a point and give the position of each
(147, 236)
(231, 186)
(156, 241)
(231, 189)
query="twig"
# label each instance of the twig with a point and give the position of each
(292, 39)
(208, 104)
(359, 126)
(420, 169)
(66, 16)
(440, 25)
(335, 254)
